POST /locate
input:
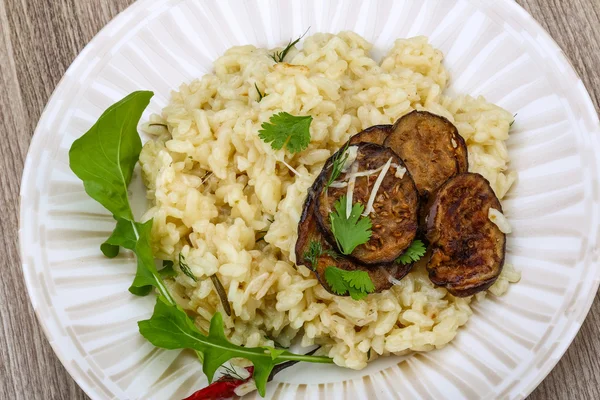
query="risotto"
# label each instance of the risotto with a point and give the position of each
(230, 204)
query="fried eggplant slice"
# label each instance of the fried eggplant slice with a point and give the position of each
(394, 207)
(431, 148)
(467, 248)
(375, 134)
(308, 231)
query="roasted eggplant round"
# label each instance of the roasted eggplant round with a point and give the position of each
(383, 185)
(308, 231)
(374, 134)
(431, 148)
(467, 248)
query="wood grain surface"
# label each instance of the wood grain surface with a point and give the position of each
(38, 41)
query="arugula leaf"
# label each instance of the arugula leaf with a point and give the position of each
(315, 249)
(146, 275)
(349, 231)
(338, 163)
(104, 157)
(278, 56)
(287, 130)
(171, 328)
(413, 253)
(123, 236)
(357, 284)
(185, 268)
(167, 271)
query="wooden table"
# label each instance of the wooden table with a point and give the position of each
(39, 39)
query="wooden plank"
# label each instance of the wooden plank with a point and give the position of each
(38, 42)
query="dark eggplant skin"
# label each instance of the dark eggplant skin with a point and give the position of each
(431, 148)
(374, 134)
(308, 230)
(468, 249)
(395, 210)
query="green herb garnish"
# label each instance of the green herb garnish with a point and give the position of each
(357, 284)
(222, 294)
(261, 235)
(413, 253)
(167, 270)
(279, 56)
(260, 95)
(315, 250)
(349, 231)
(287, 130)
(185, 268)
(337, 164)
(171, 328)
(104, 159)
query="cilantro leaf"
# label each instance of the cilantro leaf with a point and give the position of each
(287, 130)
(357, 284)
(349, 231)
(359, 280)
(171, 328)
(413, 253)
(335, 279)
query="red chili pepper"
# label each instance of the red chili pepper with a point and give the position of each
(222, 389)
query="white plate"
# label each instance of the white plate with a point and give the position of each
(492, 48)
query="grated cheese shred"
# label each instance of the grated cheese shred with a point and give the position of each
(376, 186)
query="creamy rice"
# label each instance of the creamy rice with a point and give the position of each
(216, 188)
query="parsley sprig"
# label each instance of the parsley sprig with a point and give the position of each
(357, 284)
(413, 253)
(279, 56)
(351, 230)
(284, 129)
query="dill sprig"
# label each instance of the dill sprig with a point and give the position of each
(513, 121)
(279, 56)
(185, 268)
(231, 374)
(260, 95)
(315, 249)
(338, 163)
